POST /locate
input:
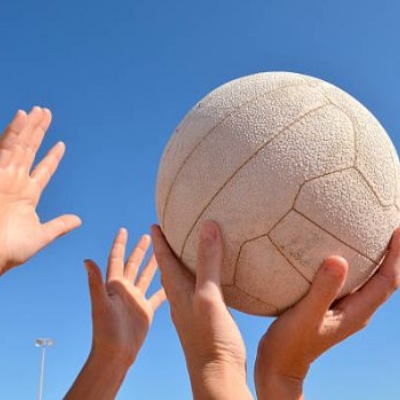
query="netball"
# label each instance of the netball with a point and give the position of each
(294, 170)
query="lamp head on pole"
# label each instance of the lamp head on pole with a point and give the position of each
(44, 342)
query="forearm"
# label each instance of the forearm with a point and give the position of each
(99, 379)
(274, 387)
(213, 382)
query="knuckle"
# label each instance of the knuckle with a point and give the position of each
(175, 314)
(204, 301)
(365, 323)
(391, 281)
(360, 325)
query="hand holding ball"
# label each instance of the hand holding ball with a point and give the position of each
(294, 170)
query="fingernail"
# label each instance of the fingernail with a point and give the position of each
(122, 231)
(209, 231)
(335, 266)
(86, 264)
(155, 230)
(395, 240)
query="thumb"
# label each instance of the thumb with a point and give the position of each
(209, 257)
(325, 287)
(60, 226)
(98, 293)
(177, 281)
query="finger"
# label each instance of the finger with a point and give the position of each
(157, 299)
(48, 166)
(115, 267)
(14, 128)
(209, 257)
(136, 258)
(324, 289)
(10, 137)
(147, 274)
(361, 305)
(35, 118)
(35, 138)
(98, 293)
(59, 226)
(20, 146)
(177, 281)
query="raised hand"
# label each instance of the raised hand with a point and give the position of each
(214, 349)
(121, 313)
(121, 318)
(21, 232)
(317, 323)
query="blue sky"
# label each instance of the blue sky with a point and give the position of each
(119, 76)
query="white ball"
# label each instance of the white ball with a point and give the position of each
(294, 170)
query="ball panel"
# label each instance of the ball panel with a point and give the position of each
(320, 143)
(206, 115)
(376, 157)
(225, 152)
(376, 160)
(344, 204)
(242, 301)
(306, 245)
(263, 271)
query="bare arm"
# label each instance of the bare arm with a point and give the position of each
(214, 349)
(121, 317)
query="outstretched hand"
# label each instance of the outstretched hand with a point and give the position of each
(121, 318)
(21, 232)
(317, 322)
(121, 313)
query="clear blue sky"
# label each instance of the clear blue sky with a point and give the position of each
(118, 77)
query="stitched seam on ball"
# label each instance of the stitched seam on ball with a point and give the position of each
(273, 137)
(350, 117)
(356, 133)
(293, 208)
(209, 133)
(316, 178)
(374, 192)
(253, 239)
(334, 236)
(240, 289)
(235, 282)
(354, 168)
(300, 272)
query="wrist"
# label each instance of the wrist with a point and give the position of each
(275, 386)
(219, 380)
(113, 362)
(99, 379)
(118, 358)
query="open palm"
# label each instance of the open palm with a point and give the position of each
(121, 313)
(21, 232)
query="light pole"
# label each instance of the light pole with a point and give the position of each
(43, 343)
